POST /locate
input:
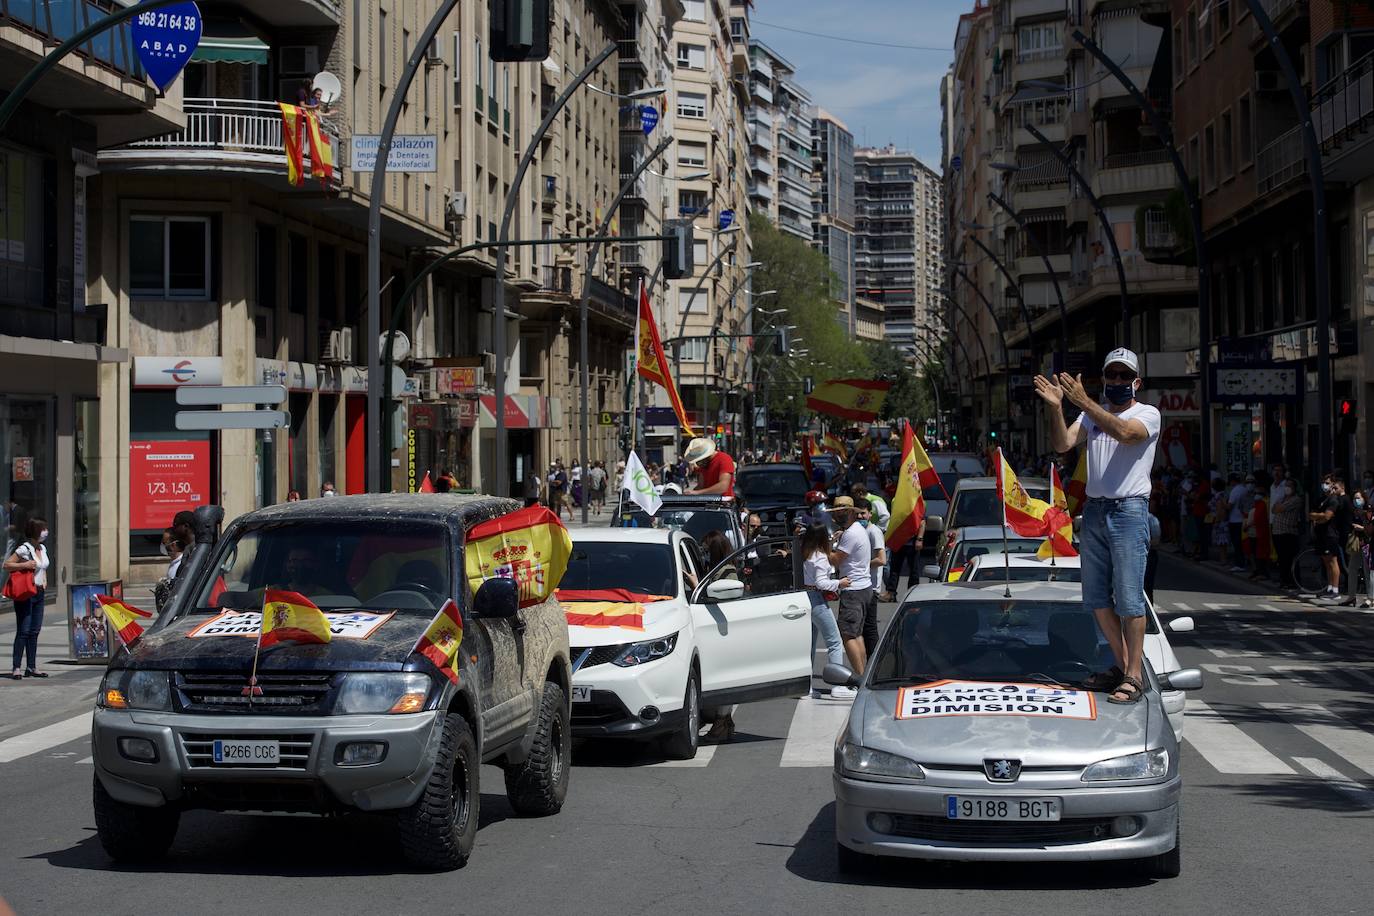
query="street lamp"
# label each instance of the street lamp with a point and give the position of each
(648, 92)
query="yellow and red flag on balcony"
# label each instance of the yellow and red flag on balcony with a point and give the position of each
(440, 641)
(908, 503)
(857, 399)
(300, 126)
(650, 362)
(1020, 512)
(291, 618)
(529, 545)
(1059, 536)
(124, 620)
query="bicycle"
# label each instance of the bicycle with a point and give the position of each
(1310, 573)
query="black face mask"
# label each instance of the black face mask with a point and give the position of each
(1119, 394)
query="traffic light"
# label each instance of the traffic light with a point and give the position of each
(677, 250)
(994, 434)
(520, 29)
(1347, 416)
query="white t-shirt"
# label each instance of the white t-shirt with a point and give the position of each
(875, 539)
(858, 552)
(1239, 498)
(1116, 470)
(28, 555)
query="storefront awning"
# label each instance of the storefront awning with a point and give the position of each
(230, 43)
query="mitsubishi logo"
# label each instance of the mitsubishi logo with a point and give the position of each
(1002, 770)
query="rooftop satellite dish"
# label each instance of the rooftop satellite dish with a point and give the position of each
(329, 86)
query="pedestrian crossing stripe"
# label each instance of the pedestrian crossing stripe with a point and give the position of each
(1325, 727)
(42, 739)
(1228, 749)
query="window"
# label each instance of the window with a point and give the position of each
(691, 203)
(691, 105)
(1038, 41)
(1228, 147)
(737, 29)
(1244, 128)
(457, 70)
(694, 10)
(1209, 151)
(382, 73)
(693, 349)
(169, 257)
(691, 56)
(691, 155)
(1194, 160)
(700, 255)
(1208, 36)
(1223, 13)
(1194, 39)
(1179, 51)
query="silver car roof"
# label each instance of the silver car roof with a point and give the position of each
(993, 590)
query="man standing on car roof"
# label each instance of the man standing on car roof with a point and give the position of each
(1115, 535)
(715, 470)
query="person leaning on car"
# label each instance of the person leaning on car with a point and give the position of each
(851, 556)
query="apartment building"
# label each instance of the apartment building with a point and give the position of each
(710, 95)
(832, 224)
(56, 345)
(780, 163)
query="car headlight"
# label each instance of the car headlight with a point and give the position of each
(857, 760)
(135, 690)
(392, 692)
(637, 653)
(1145, 765)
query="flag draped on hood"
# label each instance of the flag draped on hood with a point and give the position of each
(291, 618)
(124, 619)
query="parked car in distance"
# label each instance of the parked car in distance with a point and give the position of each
(974, 502)
(977, 541)
(695, 516)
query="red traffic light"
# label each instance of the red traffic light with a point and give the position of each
(1347, 407)
(720, 430)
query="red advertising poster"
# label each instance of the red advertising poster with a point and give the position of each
(164, 478)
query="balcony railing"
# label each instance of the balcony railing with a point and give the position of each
(1279, 162)
(557, 279)
(1159, 232)
(58, 20)
(243, 129)
(1345, 104)
(1133, 159)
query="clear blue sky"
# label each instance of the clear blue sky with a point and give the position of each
(884, 95)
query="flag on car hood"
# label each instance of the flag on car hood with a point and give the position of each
(1059, 536)
(290, 617)
(123, 618)
(440, 641)
(1022, 513)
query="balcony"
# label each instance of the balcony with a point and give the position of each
(549, 199)
(1342, 113)
(795, 226)
(761, 165)
(1040, 64)
(1159, 232)
(221, 135)
(1031, 265)
(1141, 172)
(761, 137)
(761, 192)
(1025, 9)
(628, 49)
(1280, 162)
(294, 14)
(556, 279)
(635, 191)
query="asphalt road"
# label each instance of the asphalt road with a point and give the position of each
(1278, 809)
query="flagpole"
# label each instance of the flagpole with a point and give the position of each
(1001, 491)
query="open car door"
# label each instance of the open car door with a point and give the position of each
(753, 625)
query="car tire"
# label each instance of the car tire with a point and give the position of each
(132, 833)
(850, 862)
(538, 786)
(1166, 864)
(682, 744)
(439, 830)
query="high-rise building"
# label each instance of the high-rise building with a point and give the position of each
(832, 150)
(780, 112)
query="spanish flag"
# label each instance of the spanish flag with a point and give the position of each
(290, 617)
(1021, 513)
(835, 445)
(292, 136)
(850, 398)
(123, 618)
(808, 448)
(651, 363)
(440, 641)
(1059, 536)
(1077, 490)
(530, 546)
(321, 150)
(908, 503)
(599, 614)
(925, 468)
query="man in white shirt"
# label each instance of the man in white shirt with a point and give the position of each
(852, 555)
(1241, 499)
(1120, 439)
(877, 560)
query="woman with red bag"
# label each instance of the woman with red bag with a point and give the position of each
(28, 578)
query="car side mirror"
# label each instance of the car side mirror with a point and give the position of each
(839, 676)
(935, 523)
(498, 599)
(1183, 679)
(930, 572)
(1182, 625)
(725, 590)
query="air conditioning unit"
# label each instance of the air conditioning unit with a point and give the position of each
(1268, 81)
(346, 345)
(336, 347)
(456, 207)
(432, 54)
(489, 364)
(302, 59)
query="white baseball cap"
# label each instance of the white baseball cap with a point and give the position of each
(1125, 357)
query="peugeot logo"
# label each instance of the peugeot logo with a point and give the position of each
(1002, 770)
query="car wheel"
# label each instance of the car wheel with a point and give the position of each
(132, 833)
(538, 786)
(440, 829)
(683, 743)
(1166, 864)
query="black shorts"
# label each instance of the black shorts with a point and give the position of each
(850, 616)
(1328, 547)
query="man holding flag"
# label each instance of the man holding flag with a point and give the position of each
(1120, 439)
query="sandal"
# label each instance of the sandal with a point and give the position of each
(1104, 680)
(1132, 688)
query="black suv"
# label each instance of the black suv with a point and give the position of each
(360, 723)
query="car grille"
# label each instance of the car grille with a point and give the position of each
(295, 795)
(293, 693)
(605, 708)
(200, 752)
(600, 655)
(1000, 833)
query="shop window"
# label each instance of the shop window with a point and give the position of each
(169, 469)
(27, 449)
(169, 257)
(329, 468)
(298, 472)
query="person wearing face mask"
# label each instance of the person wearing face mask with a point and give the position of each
(30, 556)
(1286, 526)
(1331, 529)
(1361, 569)
(327, 488)
(1120, 438)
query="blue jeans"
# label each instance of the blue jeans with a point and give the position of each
(823, 620)
(29, 616)
(1114, 542)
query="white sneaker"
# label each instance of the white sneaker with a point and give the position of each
(843, 693)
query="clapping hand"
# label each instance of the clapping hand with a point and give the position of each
(1072, 386)
(1049, 390)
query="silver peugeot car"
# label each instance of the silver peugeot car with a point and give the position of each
(974, 738)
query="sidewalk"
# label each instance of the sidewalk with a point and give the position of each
(1265, 586)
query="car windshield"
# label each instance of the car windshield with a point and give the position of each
(935, 494)
(995, 571)
(967, 550)
(1035, 641)
(336, 564)
(696, 522)
(766, 484)
(645, 568)
(982, 507)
